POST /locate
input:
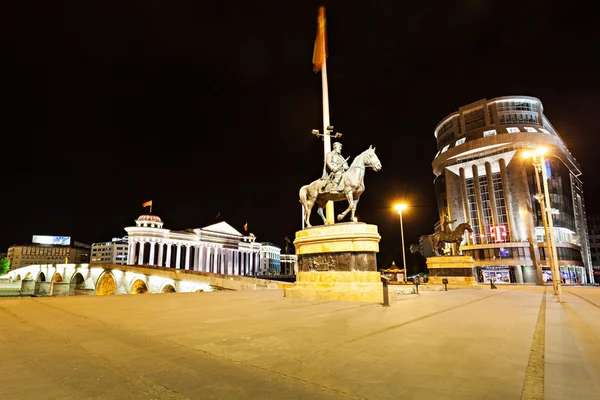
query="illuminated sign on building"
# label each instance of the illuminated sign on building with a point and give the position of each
(58, 240)
(498, 232)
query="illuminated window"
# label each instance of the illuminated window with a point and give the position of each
(544, 130)
(512, 130)
(491, 132)
(445, 148)
(530, 129)
(460, 141)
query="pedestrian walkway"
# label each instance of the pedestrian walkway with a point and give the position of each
(509, 343)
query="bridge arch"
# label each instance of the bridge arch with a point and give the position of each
(57, 278)
(78, 280)
(106, 284)
(168, 288)
(18, 278)
(138, 287)
(41, 277)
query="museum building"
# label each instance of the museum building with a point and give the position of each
(218, 248)
(484, 178)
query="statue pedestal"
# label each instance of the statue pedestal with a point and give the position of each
(459, 270)
(338, 262)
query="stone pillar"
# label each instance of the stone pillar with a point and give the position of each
(220, 265)
(151, 260)
(252, 265)
(479, 205)
(236, 261)
(465, 201)
(160, 254)
(141, 256)
(187, 257)
(215, 260)
(230, 262)
(201, 260)
(131, 254)
(507, 199)
(491, 193)
(168, 260)
(519, 273)
(178, 256)
(196, 255)
(243, 270)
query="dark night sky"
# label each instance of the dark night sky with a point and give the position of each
(207, 107)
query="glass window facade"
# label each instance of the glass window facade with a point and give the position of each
(474, 119)
(500, 231)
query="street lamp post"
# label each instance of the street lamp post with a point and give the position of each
(539, 162)
(541, 200)
(400, 208)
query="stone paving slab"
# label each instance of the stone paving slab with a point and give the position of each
(456, 344)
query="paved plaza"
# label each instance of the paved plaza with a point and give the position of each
(510, 343)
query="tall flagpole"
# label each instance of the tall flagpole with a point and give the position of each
(329, 211)
(320, 64)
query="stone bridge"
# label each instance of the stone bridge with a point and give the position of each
(108, 279)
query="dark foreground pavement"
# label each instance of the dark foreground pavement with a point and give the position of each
(510, 343)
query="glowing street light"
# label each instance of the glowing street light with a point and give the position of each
(399, 208)
(539, 163)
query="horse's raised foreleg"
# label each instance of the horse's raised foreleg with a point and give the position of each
(350, 207)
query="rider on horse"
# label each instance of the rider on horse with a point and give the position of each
(446, 224)
(336, 165)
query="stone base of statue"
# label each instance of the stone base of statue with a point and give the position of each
(458, 270)
(338, 262)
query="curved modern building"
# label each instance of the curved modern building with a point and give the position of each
(483, 178)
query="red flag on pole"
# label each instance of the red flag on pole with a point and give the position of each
(246, 227)
(147, 204)
(320, 50)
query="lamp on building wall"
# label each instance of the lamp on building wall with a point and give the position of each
(539, 163)
(399, 208)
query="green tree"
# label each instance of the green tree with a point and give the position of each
(4, 265)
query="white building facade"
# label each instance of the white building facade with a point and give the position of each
(217, 248)
(113, 252)
(270, 263)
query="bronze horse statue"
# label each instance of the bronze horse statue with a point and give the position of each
(352, 186)
(454, 237)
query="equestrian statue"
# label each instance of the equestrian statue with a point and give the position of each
(447, 235)
(339, 182)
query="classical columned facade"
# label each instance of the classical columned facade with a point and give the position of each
(217, 248)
